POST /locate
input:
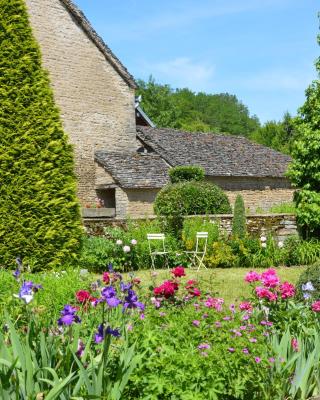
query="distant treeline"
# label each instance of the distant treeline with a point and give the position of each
(219, 113)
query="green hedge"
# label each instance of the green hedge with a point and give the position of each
(239, 227)
(191, 198)
(39, 212)
(186, 173)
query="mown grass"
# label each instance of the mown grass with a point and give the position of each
(227, 283)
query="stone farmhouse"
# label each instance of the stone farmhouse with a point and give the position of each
(121, 158)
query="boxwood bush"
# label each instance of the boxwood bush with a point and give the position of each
(39, 212)
(186, 173)
(191, 198)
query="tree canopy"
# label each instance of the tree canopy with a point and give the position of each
(195, 112)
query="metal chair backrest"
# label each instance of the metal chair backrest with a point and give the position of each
(156, 236)
(202, 237)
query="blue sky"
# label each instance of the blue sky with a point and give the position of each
(263, 51)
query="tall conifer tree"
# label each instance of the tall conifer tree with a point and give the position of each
(39, 212)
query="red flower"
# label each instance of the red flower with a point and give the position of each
(195, 292)
(167, 289)
(178, 272)
(83, 296)
(191, 284)
(106, 277)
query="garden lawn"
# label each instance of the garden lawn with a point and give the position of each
(228, 282)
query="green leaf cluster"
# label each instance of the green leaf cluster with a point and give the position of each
(39, 212)
(186, 173)
(304, 171)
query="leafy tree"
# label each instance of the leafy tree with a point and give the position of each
(39, 213)
(196, 112)
(186, 173)
(305, 168)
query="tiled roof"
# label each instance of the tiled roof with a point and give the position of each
(134, 170)
(98, 41)
(219, 155)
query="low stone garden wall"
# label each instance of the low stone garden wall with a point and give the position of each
(279, 225)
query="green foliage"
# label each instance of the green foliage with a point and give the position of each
(277, 135)
(220, 256)
(311, 274)
(39, 213)
(191, 198)
(195, 112)
(300, 252)
(198, 224)
(186, 173)
(304, 171)
(283, 208)
(239, 227)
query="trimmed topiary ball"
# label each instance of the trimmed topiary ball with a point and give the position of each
(308, 285)
(191, 198)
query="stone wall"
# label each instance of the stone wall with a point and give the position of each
(279, 225)
(141, 202)
(261, 199)
(96, 104)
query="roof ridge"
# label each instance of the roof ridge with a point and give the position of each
(99, 42)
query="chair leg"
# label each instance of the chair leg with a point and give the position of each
(152, 262)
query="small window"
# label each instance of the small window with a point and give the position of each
(107, 197)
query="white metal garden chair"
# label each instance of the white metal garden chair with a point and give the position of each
(197, 255)
(155, 249)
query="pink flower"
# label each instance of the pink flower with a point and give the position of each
(271, 360)
(253, 340)
(196, 323)
(316, 306)
(245, 351)
(215, 303)
(295, 344)
(287, 290)
(252, 276)
(195, 292)
(264, 293)
(106, 277)
(257, 360)
(270, 279)
(231, 350)
(203, 346)
(245, 306)
(178, 272)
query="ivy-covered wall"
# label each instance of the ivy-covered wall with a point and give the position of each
(39, 213)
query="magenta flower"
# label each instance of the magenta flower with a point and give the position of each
(269, 278)
(264, 293)
(231, 350)
(316, 306)
(196, 323)
(287, 290)
(203, 346)
(245, 306)
(252, 276)
(215, 303)
(271, 360)
(245, 351)
(295, 344)
(257, 360)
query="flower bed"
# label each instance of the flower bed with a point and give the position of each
(126, 338)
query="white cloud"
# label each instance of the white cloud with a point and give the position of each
(182, 72)
(280, 79)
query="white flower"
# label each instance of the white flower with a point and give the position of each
(134, 242)
(263, 239)
(126, 249)
(27, 298)
(308, 287)
(264, 245)
(119, 242)
(280, 245)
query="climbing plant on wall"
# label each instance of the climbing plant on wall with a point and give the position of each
(39, 212)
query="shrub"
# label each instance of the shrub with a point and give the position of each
(221, 256)
(191, 198)
(198, 224)
(311, 274)
(186, 173)
(239, 227)
(39, 213)
(301, 252)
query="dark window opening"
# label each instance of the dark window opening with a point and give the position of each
(107, 197)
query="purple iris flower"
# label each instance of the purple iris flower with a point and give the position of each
(110, 268)
(68, 316)
(110, 295)
(16, 273)
(101, 333)
(27, 290)
(124, 287)
(131, 301)
(99, 336)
